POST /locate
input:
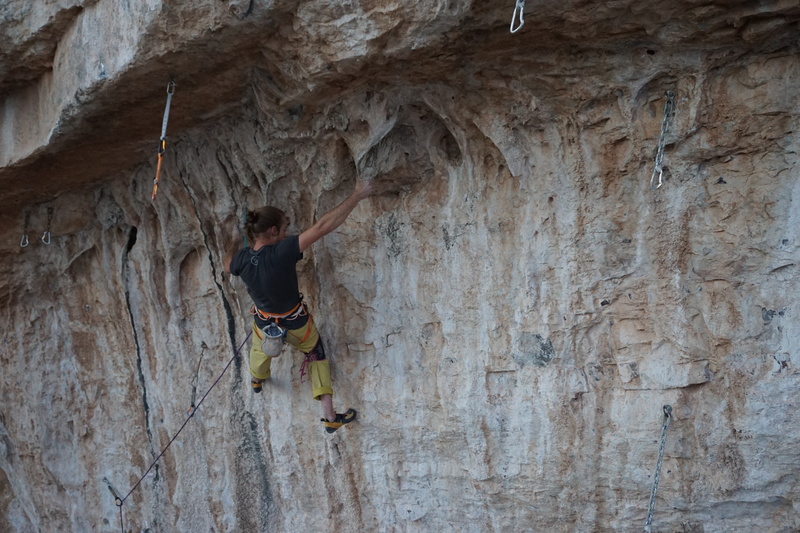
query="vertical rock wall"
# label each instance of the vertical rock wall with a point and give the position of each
(508, 314)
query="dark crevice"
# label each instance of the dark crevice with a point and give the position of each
(126, 283)
(131, 241)
(254, 498)
(225, 303)
(250, 458)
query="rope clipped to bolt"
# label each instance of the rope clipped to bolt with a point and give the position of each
(120, 501)
(664, 427)
(192, 407)
(162, 145)
(669, 111)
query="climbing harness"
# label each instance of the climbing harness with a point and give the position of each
(46, 234)
(274, 333)
(664, 427)
(308, 330)
(191, 409)
(162, 145)
(296, 312)
(24, 241)
(120, 501)
(669, 111)
(518, 14)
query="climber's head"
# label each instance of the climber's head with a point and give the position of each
(267, 221)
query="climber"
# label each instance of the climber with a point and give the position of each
(268, 269)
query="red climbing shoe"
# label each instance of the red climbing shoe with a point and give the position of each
(256, 384)
(341, 419)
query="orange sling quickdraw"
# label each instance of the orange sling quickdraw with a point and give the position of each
(162, 145)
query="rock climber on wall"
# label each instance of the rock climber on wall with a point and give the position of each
(268, 269)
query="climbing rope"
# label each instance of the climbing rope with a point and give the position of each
(669, 111)
(162, 145)
(117, 501)
(24, 241)
(190, 411)
(518, 16)
(120, 501)
(46, 234)
(664, 427)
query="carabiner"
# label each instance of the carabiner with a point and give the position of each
(653, 179)
(518, 9)
(46, 235)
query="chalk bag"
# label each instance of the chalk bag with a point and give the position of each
(272, 342)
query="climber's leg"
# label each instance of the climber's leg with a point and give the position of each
(259, 361)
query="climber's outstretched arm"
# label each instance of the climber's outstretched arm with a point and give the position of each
(336, 216)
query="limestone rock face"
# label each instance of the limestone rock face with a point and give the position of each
(508, 313)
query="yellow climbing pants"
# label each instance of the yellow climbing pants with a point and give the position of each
(304, 339)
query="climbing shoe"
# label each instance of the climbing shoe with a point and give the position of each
(341, 419)
(256, 384)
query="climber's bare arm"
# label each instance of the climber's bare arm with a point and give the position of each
(336, 216)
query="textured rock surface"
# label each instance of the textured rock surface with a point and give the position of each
(508, 314)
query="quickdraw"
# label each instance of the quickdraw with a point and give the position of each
(190, 411)
(25, 241)
(669, 111)
(298, 311)
(162, 145)
(664, 427)
(46, 234)
(117, 499)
